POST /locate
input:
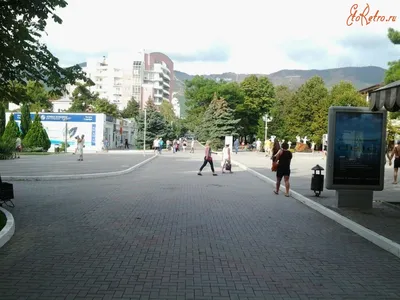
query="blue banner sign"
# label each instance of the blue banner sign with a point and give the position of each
(60, 117)
(93, 134)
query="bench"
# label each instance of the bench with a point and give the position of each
(6, 194)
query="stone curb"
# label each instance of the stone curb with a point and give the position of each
(366, 233)
(74, 177)
(8, 231)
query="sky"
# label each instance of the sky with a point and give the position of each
(212, 37)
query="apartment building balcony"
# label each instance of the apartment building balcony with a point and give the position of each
(165, 91)
(165, 68)
(166, 76)
(158, 95)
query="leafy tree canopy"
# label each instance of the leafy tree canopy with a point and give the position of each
(167, 111)
(345, 94)
(131, 110)
(23, 57)
(82, 98)
(105, 107)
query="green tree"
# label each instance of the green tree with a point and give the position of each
(131, 110)
(82, 98)
(156, 125)
(218, 122)
(345, 94)
(392, 74)
(11, 132)
(259, 98)
(167, 111)
(26, 120)
(198, 93)
(38, 97)
(23, 56)
(37, 136)
(2, 119)
(105, 107)
(302, 119)
(281, 107)
(179, 128)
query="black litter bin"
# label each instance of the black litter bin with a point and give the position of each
(317, 180)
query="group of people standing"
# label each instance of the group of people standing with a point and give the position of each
(175, 145)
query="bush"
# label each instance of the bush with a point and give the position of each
(12, 131)
(6, 149)
(37, 136)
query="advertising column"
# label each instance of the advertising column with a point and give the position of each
(356, 155)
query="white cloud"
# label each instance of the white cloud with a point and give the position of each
(262, 36)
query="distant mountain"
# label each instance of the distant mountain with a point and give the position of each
(361, 77)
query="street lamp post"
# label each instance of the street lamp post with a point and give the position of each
(266, 119)
(144, 132)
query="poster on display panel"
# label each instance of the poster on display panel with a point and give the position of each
(356, 152)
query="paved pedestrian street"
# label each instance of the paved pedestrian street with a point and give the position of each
(162, 232)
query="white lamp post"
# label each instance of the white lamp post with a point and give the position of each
(144, 132)
(266, 119)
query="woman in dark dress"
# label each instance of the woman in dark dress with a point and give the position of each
(284, 158)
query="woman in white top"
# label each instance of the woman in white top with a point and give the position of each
(226, 159)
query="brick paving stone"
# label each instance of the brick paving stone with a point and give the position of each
(162, 232)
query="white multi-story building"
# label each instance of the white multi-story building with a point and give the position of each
(118, 78)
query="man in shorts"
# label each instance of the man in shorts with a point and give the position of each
(396, 164)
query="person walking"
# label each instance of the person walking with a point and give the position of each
(18, 147)
(156, 145)
(396, 164)
(160, 145)
(207, 159)
(80, 146)
(192, 146)
(226, 159)
(184, 144)
(284, 158)
(236, 145)
(258, 145)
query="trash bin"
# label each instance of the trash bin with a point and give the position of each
(317, 180)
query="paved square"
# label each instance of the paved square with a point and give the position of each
(162, 232)
(67, 164)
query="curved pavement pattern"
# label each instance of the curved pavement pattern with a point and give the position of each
(162, 232)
